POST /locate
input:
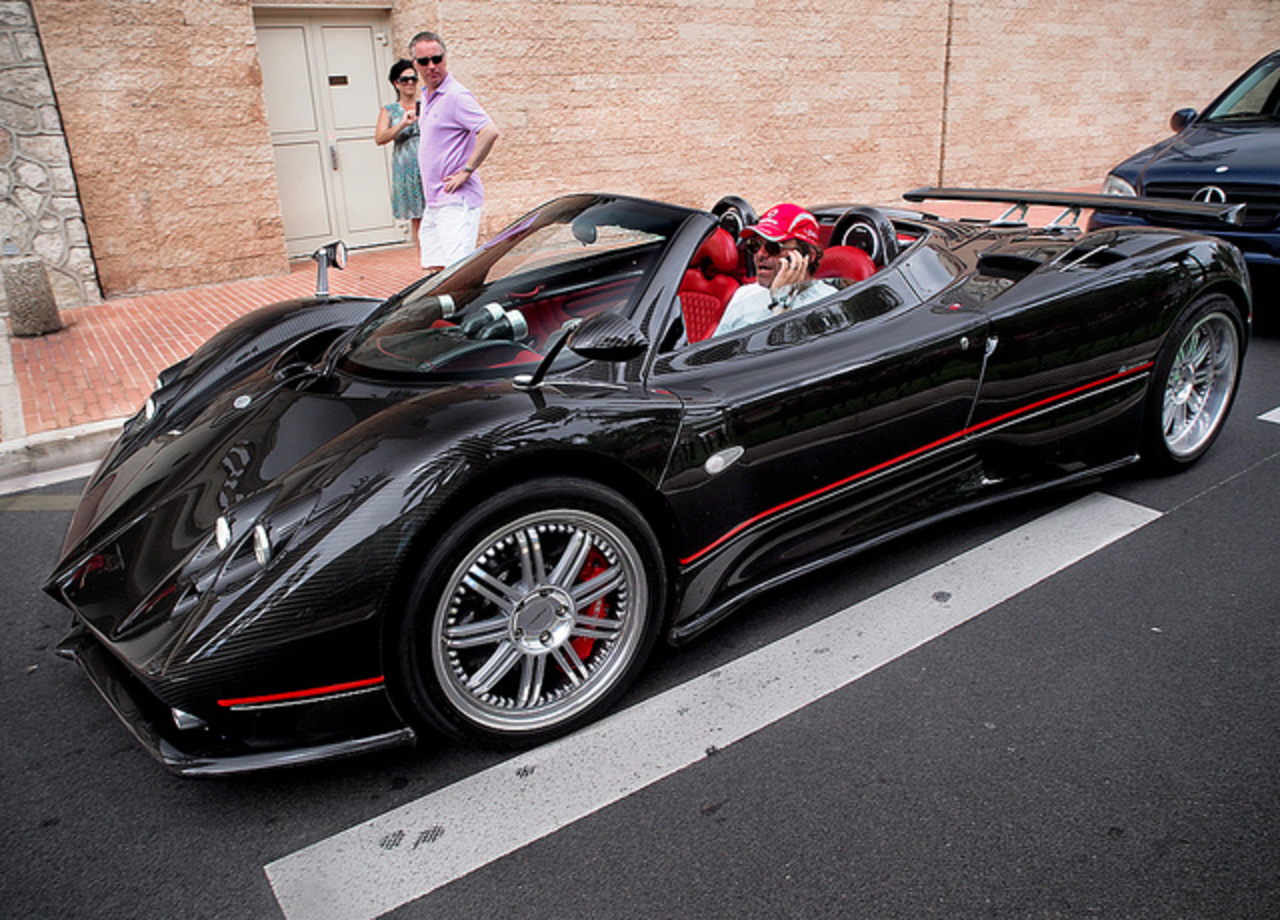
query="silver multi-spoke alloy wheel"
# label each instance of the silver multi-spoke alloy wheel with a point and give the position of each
(1200, 385)
(539, 621)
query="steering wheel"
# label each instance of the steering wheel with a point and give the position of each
(869, 230)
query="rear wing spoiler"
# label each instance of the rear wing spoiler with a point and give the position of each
(1075, 202)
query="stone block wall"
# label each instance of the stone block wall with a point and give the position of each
(686, 100)
(40, 212)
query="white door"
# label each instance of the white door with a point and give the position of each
(324, 80)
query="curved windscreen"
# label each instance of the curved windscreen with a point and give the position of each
(500, 307)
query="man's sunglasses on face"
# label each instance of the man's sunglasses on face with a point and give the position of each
(431, 59)
(755, 244)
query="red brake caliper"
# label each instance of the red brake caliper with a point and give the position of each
(594, 565)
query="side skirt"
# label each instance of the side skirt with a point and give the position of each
(683, 632)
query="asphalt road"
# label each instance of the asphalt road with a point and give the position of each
(1103, 743)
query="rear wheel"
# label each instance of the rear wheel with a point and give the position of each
(1196, 377)
(532, 615)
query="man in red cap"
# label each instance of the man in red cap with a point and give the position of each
(784, 242)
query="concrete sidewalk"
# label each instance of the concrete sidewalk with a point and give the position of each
(64, 396)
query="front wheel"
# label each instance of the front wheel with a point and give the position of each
(532, 615)
(1195, 382)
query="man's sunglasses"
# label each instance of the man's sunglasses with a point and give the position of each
(755, 244)
(408, 78)
(433, 59)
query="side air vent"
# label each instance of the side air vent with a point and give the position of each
(1012, 265)
(305, 351)
(1089, 257)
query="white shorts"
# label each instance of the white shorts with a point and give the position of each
(447, 234)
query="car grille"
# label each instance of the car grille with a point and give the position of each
(1263, 201)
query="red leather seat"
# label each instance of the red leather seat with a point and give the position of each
(708, 284)
(845, 262)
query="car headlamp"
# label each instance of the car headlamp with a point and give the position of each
(1114, 185)
(222, 532)
(250, 545)
(261, 544)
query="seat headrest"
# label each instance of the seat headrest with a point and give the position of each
(846, 262)
(720, 250)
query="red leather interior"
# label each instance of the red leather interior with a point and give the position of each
(708, 284)
(846, 262)
(547, 315)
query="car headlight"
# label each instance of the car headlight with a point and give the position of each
(261, 544)
(253, 543)
(1114, 185)
(222, 532)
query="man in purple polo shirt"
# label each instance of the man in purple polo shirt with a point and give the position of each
(456, 136)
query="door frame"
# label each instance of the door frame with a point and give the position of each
(313, 20)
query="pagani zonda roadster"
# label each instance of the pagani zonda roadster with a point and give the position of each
(473, 508)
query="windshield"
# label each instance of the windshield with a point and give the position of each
(1257, 96)
(501, 306)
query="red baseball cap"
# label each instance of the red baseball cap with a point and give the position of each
(785, 222)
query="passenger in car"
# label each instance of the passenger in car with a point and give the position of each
(785, 245)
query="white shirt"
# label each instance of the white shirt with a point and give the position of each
(752, 303)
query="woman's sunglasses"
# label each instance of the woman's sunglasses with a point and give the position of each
(408, 78)
(433, 59)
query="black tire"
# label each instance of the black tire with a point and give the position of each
(498, 642)
(1193, 384)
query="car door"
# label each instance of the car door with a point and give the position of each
(817, 428)
(1074, 341)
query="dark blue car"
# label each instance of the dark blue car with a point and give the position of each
(1228, 153)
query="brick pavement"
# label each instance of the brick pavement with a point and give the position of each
(102, 364)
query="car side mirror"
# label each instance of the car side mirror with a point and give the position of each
(603, 337)
(1182, 118)
(334, 254)
(608, 337)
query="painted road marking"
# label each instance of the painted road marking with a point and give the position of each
(1272, 416)
(39, 502)
(409, 852)
(49, 477)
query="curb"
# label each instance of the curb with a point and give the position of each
(50, 451)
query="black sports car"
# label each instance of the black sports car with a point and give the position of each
(473, 508)
(1230, 152)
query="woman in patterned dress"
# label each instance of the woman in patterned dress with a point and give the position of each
(398, 122)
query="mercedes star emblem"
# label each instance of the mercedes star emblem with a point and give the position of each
(1210, 194)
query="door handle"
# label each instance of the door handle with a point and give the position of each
(333, 155)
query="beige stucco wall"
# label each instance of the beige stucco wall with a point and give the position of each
(679, 99)
(1059, 91)
(163, 111)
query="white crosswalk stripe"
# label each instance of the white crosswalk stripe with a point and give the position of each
(406, 853)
